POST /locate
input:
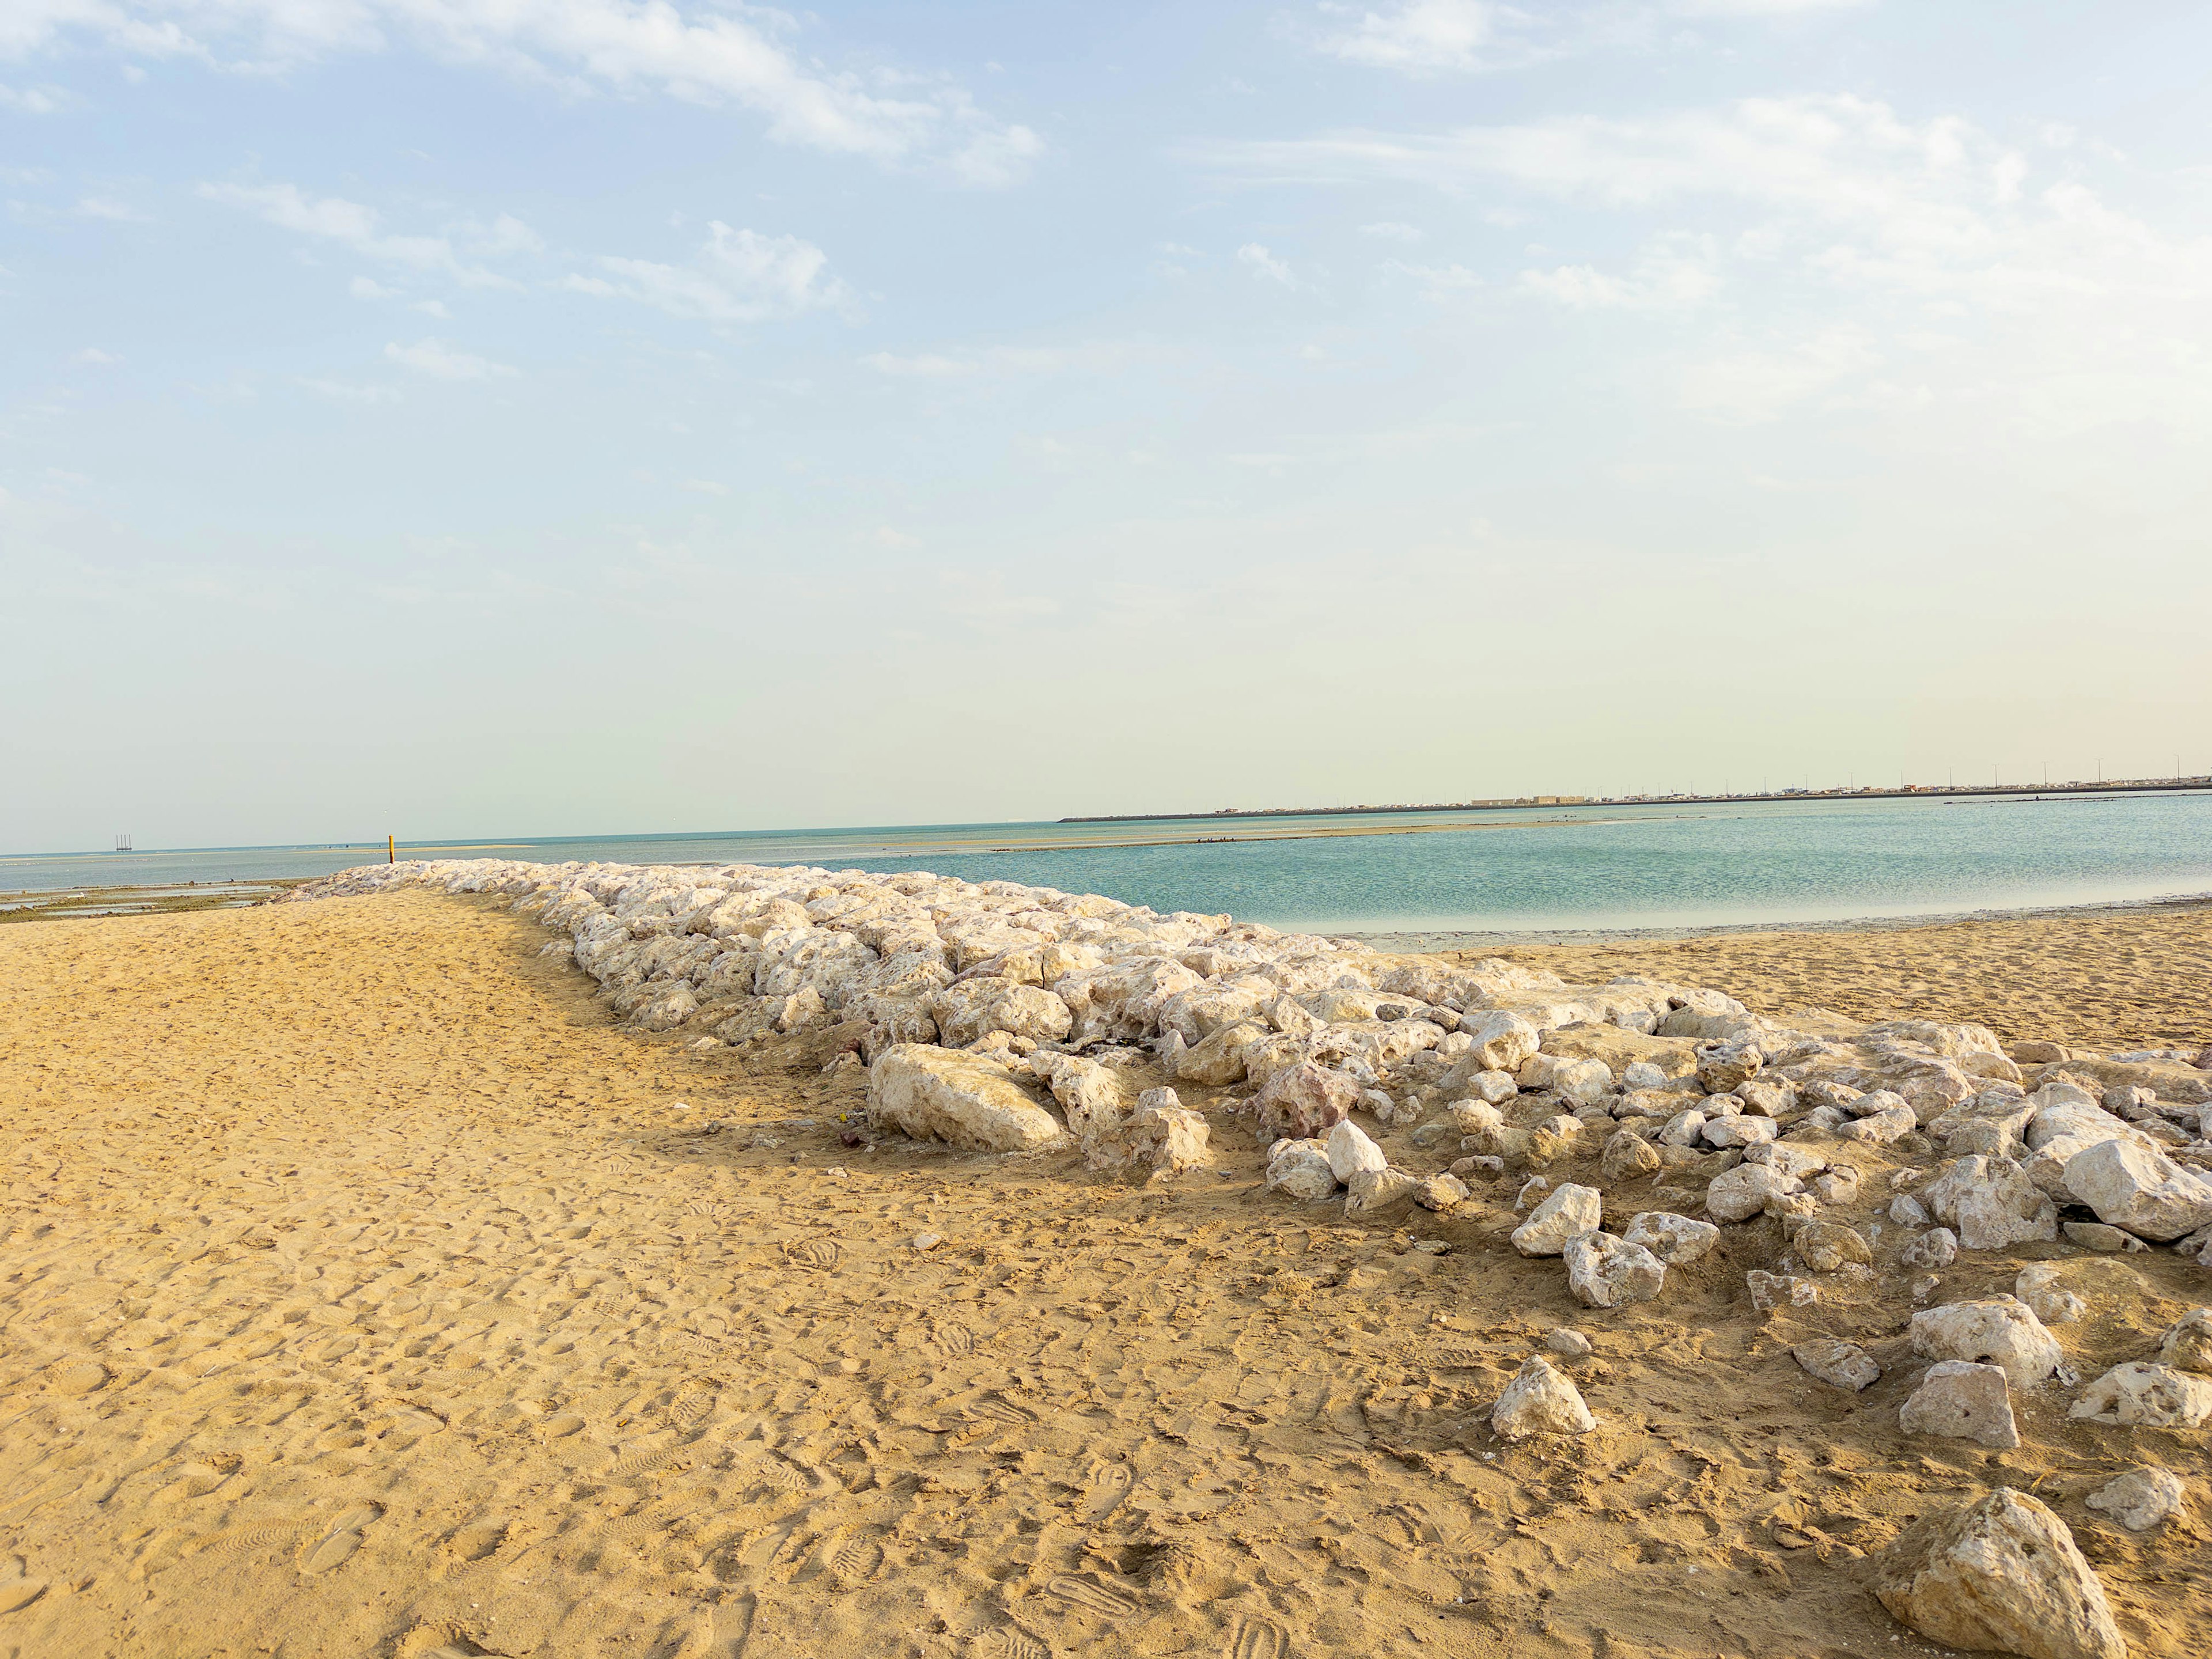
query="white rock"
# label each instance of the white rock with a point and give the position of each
(1493, 1088)
(1539, 1399)
(2000, 1575)
(1882, 1128)
(1936, 1247)
(2096, 1236)
(1740, 1193)
(2002, 1332)
(1498, 1041)
(1642, 1074)
(2142, 1394)
(1089, 1094)
(1961, 1400)
(2139, 1189)
(1907, 1210)
(1441, 1191)
(1685, 1128)
(1840, 1364)
(1991, 1204)
(2188, 1345)
(2140, 1499)
(2050, 1302)
(1301, 1170)
(1306, 1099)
(1743, 1131)
(1605, 1272)
(1351, 1151)
(1771, 1291)
(1568, 1341)
(1676, 1240)
(939, 1094)
(1565, 1214)
(1371, 1194)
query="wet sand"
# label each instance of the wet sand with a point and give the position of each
(368, 1291)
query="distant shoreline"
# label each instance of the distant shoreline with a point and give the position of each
(1553, 802)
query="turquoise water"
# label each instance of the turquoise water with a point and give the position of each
(1656, 866)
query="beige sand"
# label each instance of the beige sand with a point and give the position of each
(366, 1293)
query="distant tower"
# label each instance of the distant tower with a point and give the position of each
(123, 843)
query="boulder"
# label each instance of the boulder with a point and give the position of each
(965, 1011)
(1826, 1247)
(1605, 1272)
(2145, 1396)
(1372, 1194)
(1498, 1041)
(1839, 1185)
(1743, 1130)
(1626, 1156)
(1882, 1128)
(1219, 1059)
(1441, 1191)
(1539, 1399)
(1642, 1074)
(1564, 1215)
(1722, 1066)
(1090, 1095)
(1991, 1204)
(1840, 1364)
(2047, 1300)
(2002, 1332)
(1300, 1168)
(1165, 1136)
(1959, 1399)
(939, 1094)
(1305, 1100)
(2188, 1346)
(1351, 1151)
(1740, 1193)
(2002, 1574)
(2140, 1499)
(2139, 1189)
(1676, 1240)
(1772, 1291)
(2097, 1236)
(1936, 1247)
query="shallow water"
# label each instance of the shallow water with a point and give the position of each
(1657, 867)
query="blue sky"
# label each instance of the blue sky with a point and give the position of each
(532, 417)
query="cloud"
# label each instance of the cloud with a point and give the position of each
(1674, 271)
(706, 54)
(94, 354)
(367, 287)
(1419, 37)
(1424, 38)
(101, 207)
(433, 308)
(896, 541)
(441, 361)
(706, 486)
(1262, 264)
(31, 100)
(1391, 231)
(1095, 358)
(359, 228)
(342, 392)
(737, 276)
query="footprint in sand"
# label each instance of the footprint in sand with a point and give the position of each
(1255, 1639)
(1006, 1644)
(1091, 1596)
(343, 1538)
(17, 1587)
(476, 1540)
(819, 1254)
(1109, 1484)
(561, 1427)
(857, 1560)
(955, 1342)
(233, 1541)
(192, 1481)
(78, 1378)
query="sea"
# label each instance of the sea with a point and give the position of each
(1508, 872)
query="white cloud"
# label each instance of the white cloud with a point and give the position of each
(433, 308)
(1390, 230)
(359, 228)
(344, 393)
(1674, 270)
(1420, 37)
(1460, 37)
(441, 361)
(1092, 358)
(367, 287)
(101, 207)
(706, 486)
(1263, 263)
(31, 100)
(706, 54)
(94, 354)
(1760, 384)
(926, 366)
(897, 541)
(737, 276)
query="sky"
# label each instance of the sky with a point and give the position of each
(477, 418)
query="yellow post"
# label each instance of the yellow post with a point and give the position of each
(392, 849)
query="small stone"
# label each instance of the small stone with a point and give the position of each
(2002, 1574)
(1351, 1151)
(1960, 1400)
(1827, 1246)
(2003, 1332)
(1566, 1214)
(1937, 1248)
(1676, 1240)
(2050, 1302)
(1772, 1291)
(1838, 1364)
(2188, 1346)
(1373, 1194)
(1642, 1074)
(1479, 1164)
(1907, 1210)
(1539, 1399)
(1568, 1341)
(1627, 1156)
(1722, 1066)
(2141, 1499)
(1837, 1186)
(927, 1240)
(1300, 1168)
(1533, 1191)
(2145, 1396)
(1605, 1272)
(2097, 1236)
(1743, 1130)
(1441, 1191)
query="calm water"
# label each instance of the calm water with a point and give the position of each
(1611, 868)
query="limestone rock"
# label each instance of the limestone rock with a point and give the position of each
(1498, 1041)
(2142, 1394)
(2139, 1189)
(2188, 1346)
(1722, 1066)
(1568, 1341)
(1743, 1130)
(1165, 1136)
(1642, 1074)
(2097, 1236)
(1441, 1191)
(1539, 1399)
(1839, 1185)
(1305, 1100)
(1300, 1168)
(1626, 1156)
(1992, 1203)
(1772, 1291)
(1605, 1272)
(2002, 1574)
(1882, 1128)
(1090, 1095)
(1375, 1194)
(1565, 1214)
(2050, 1302)
(1351, 1151)
(2141, 1499)
(1959, 1399)
(1839, 1365)
(2003, 1332)
(1492, 1088)
(1740, 1193)
(1827, 1246)
(939, 1094)
(1676, 1240)
(1936, 1247)
(1219, 1059)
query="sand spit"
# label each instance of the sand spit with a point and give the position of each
(377, 1283)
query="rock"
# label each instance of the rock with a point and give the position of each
(1441, 1191)
(1568, 1341)
(1605, 1272)
(1882, 1128)
(1493, 1088)
(1837, 1186)
(1539, 1399)
(1371, 1194)
(1676, 1240)
(2002, 1332)
(1219, 1059)
(1090, 1095)
(2140, 1499)
(2188, 1346)
(1533, 1191)
(1306, 1099)
(2142, 1394)
(2046, 1298)
(1742, 1193)
(1581, 1081)
(1722, 1066)
(1165, 1136)
(1827, 1246)
(1742, 1131)
(1992, 1203)
(1642, 1074)
(1937, 1248)
(1907, 1210)
(1301, 1170)
(2143, 1191)
(1350, 1150)
(2096, 1236)
(1839, 1365)
(1686, 1128)
(802, 1010)
(2002, 1574)
(1565, 1214)
(1772, 1291)
(1498, 1041)
(1626, 1156)
(939, 1094)
(1959, 1399)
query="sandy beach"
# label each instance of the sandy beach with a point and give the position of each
(369, 1290)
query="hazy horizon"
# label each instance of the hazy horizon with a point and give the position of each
(565, 412)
